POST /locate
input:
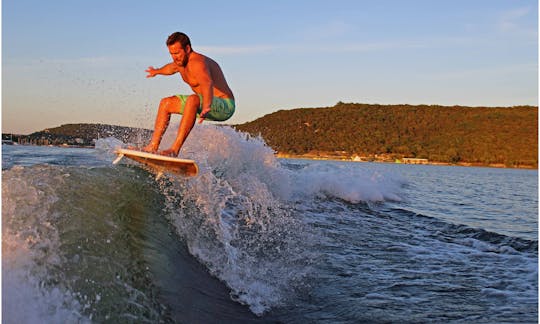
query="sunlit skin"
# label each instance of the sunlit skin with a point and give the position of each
(204, 76)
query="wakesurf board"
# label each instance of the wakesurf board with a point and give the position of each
(160, 163)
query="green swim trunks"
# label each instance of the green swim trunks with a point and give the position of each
(221, 109)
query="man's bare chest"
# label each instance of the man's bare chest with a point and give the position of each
(188, 78)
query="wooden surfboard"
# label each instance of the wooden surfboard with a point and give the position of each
(160, 163)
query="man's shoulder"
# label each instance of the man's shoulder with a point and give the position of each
(198, 57)
(203, 59)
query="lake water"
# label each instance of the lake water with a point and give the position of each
(258, 239)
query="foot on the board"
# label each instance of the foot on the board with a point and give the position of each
(150, 148)
(169, 152)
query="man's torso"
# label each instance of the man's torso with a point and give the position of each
(221, 88)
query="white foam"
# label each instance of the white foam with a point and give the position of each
(234, 215)
(24, 297)
(29, 246)
(108, 144)
(340, 180)
(244, 229)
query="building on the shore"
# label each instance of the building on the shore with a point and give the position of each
(414, 161)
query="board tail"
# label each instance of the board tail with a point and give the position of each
(120, 156)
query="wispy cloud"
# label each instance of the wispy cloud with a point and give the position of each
(383, 46)
(308, 46)
(241, 49)
(497, 72)
(47, 62)
(331, 29)
(510, 19)
(515, 21)
(372, 46)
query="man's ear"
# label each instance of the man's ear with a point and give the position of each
(188, 49)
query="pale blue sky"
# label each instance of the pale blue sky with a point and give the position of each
(84, 61)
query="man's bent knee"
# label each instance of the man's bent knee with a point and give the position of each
(193, 101)
(170, 105)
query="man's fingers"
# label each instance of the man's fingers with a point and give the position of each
(203, 116)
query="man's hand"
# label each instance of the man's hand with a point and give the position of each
(203, 114)
(151, 72)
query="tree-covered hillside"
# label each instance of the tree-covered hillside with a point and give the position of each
(82, 134)
(439, 133)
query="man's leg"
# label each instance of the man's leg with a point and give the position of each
(167, 106)
(186, 124)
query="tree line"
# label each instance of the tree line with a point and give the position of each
(80, 134)
(451, 134)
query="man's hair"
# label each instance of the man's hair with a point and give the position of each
(182, 38)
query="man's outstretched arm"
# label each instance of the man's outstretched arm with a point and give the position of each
(167, 69)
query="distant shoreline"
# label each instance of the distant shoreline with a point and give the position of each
(435, 163)
(50, 145)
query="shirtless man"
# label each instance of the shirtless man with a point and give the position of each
(213, 99)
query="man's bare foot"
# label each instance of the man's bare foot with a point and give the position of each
(150, 148)
(169, 152)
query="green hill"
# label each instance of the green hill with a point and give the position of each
(477, 135)
(94, 131)
(83, 134)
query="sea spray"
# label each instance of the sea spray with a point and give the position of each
(30, 250)
(338, 180)
(71, 245)
(242, 216)
(236, 218)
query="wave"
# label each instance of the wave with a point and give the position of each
(478, 238)
(69, 232)
(290, 240)
(30, 249)
(236, 217)
(240, 216)
(94, 242)
(341, 181)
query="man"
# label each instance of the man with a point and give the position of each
(213, 99)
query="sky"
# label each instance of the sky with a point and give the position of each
(84, 61)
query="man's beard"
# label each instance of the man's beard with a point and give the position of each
(182, 63)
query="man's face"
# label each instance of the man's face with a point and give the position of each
(178, 54)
